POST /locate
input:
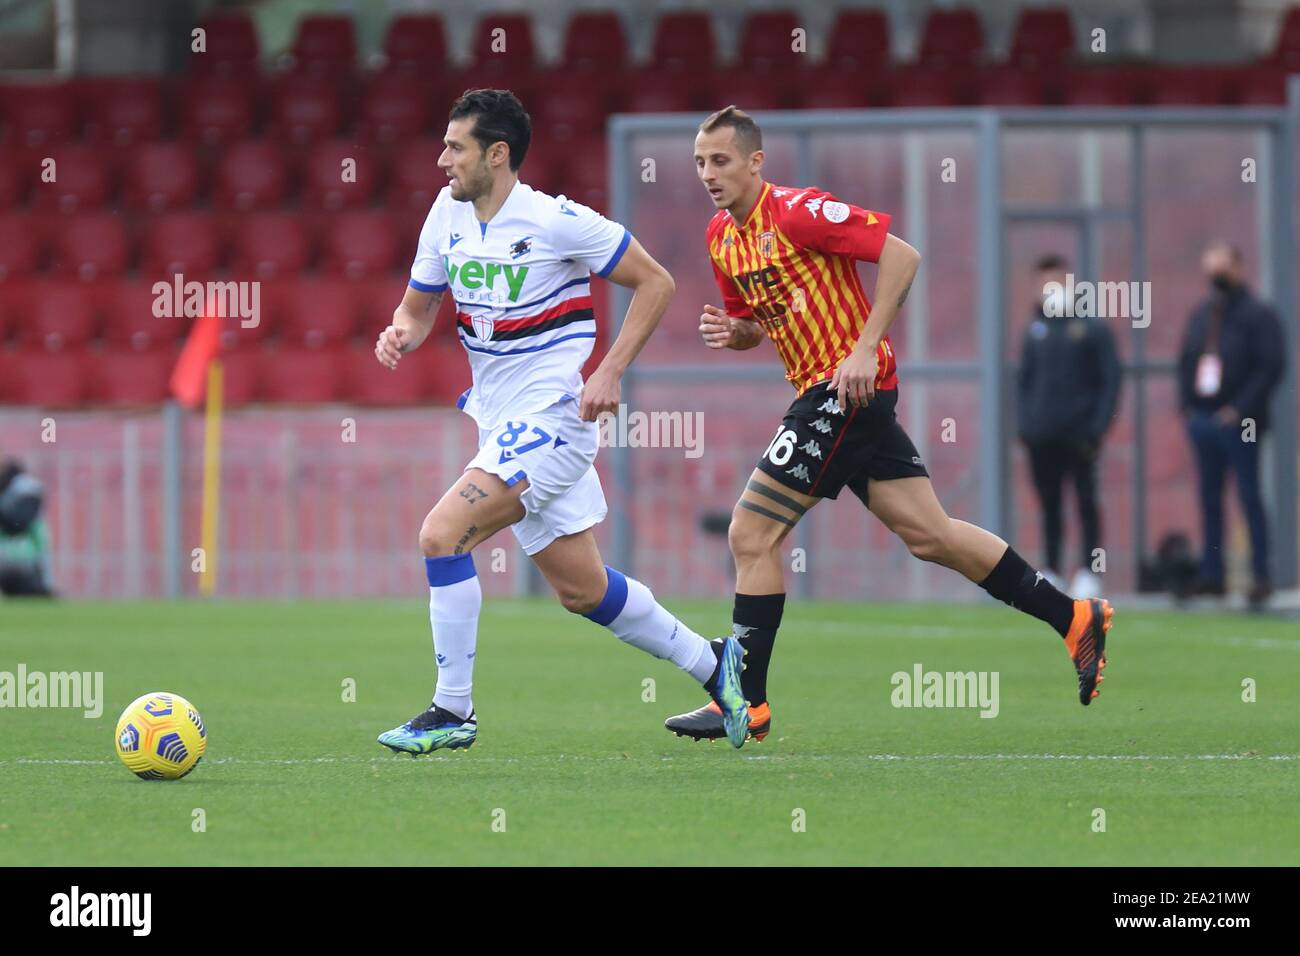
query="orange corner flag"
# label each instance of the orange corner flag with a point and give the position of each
(190, 377)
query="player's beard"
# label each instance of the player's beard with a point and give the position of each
(467, 190)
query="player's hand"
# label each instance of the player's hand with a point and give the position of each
(600, 394)
(389, 347)
(855, 379)
(717, 327)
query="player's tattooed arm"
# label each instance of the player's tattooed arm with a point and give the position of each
(896, 269)
(412, 321)
(720, 330)
(745, 334)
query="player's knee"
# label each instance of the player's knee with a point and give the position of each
(436, 541)
(750, 539)
(577, 599)
(929, 544)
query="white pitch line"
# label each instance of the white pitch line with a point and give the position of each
(848, 758)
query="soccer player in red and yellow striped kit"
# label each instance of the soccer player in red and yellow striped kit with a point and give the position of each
(784, 259)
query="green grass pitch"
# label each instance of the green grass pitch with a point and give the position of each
(1186, 772)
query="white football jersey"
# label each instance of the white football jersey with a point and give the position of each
(522, 285)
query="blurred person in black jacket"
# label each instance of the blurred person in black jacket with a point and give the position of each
(1068, 389)
(24, 537)
(1233, 355)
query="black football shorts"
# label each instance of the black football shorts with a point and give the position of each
(820, 448)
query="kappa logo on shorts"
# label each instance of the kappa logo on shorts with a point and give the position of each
(800, 471)
(831, 405)
(812, 448)
(916, 459)
(823, 426)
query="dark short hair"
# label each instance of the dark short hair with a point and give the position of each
(1051, 262)
(498, 117)
(748, 136)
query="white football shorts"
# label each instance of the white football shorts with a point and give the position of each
(556, 451)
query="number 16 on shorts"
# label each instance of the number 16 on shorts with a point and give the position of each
(781, 447)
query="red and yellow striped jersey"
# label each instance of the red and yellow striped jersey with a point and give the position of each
(790, 267)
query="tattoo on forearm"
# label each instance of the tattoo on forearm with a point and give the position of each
(903, 298)
(464, 539)
(473, 493)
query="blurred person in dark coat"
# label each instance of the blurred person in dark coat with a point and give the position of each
(24, 538)
(1068, 390)
(1233, 355)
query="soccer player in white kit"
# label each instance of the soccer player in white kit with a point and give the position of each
(518, 264)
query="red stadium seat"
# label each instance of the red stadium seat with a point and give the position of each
(1188, 86)
(161, 176)
(651, 91)
(317, 312)
(376, 299)
(395, 106)
(1044, 37)
(416, 179)
(57, 380)
(360, 244)
(20, 247)
(129, 377)
(122, 110)
(1111, 86)
(326, 43)
(416, 43)
(367, 382)
(14, 179)
(56, 316)
(241, 376)
(306, 108)
(253, 174)
(586, 173)
(302, 376)
(39, 114)
(91, 246)
(1021, 86)
(230, 43)
(516, 34)
(446, 370)
(323, 175)
(594, 42)
(912, 86)
(767, 40)
(952, 39)
(573, 106)
(269, 245)
(82, 178)
(859, 41)
(683, 42)
(1260, 86)
(1287, 52)
(830, 89)
(188, 243)
(751, 91)
(217, 110)
(129, 320)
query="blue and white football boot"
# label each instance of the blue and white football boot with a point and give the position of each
(432, 730)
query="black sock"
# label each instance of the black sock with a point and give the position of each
(1014, 582)
(755, 621)
(711, 684)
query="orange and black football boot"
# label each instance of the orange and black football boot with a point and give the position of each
(1086, 642)
(706, 723)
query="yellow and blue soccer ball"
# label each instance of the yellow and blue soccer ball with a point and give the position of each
(160, 737)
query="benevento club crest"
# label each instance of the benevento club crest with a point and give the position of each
(767, 245)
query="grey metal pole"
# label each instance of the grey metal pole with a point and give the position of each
(1284, 524)
(1139, 381)
(992, 451)
(623, 469)
(173, 420)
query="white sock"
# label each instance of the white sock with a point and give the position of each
(455, 599)
(632, 613)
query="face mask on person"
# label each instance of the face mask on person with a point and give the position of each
(1222, 282)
